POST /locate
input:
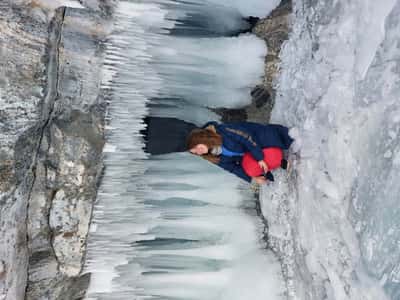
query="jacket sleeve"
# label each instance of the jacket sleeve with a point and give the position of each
(247, 141)
(235, 168)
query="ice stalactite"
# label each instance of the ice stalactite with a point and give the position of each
(205, 18)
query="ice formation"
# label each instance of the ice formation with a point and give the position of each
(174, 226)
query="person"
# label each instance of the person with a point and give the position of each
(229, 145)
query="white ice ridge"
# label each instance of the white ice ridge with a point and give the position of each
(335, 222)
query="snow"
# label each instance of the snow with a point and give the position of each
(334, 220)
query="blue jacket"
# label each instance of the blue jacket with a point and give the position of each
(249, 137)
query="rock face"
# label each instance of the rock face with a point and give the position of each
(274, 29)
(51, 118)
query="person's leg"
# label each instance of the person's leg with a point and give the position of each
(284, 164)
(283, 132)
(269, 176)
(273, 157)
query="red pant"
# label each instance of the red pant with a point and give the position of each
(272, 157)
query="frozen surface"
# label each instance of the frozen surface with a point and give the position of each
(335, 220)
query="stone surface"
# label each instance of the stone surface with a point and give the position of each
(51, 140)
(23, 46)
(274, 29)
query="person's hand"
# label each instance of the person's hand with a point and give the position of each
(260, 179)
(263, 166)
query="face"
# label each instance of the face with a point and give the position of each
(199, 149)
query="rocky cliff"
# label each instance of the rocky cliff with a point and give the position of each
(51, 117)
(274, 29)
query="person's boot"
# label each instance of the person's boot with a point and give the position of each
(284, 164)
(269, 176)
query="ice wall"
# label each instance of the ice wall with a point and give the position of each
(174, 227)
(334, 221)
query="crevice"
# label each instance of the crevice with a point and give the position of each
(55, 30)
(51, 232)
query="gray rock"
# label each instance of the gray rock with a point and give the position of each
(274, 29)
(51, 140)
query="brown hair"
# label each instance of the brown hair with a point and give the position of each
(208, 137)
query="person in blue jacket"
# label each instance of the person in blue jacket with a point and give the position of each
(225, 144)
